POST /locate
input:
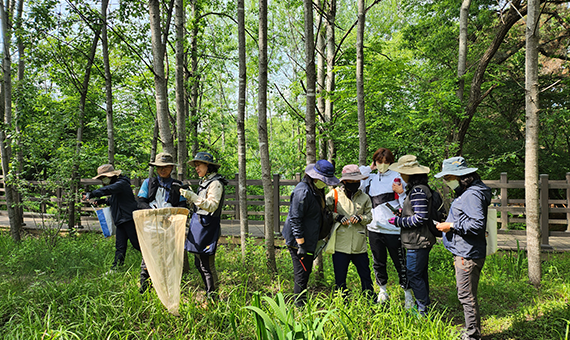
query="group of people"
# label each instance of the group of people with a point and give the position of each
(388, 204)
(385, 206)
(163, 191)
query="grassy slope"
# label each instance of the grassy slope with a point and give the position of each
(61, 292)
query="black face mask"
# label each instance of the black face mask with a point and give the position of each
(352, 187)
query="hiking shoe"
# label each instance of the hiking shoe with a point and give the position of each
(383, 297)
(145, 286)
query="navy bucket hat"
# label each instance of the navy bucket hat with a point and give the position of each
(204, 157)
(455, 166)
(322, 170)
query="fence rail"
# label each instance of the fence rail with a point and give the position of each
(554, 212)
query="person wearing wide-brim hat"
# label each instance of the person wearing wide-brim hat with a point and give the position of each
(156, 192)
(464, 235)
(120, 198)
(352, 210)
(202, 238)
(303, 223)
(416, 237)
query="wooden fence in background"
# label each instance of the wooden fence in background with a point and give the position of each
(554, 217)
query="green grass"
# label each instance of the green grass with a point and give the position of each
(60, 291)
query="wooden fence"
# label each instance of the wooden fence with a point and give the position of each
(554, 216)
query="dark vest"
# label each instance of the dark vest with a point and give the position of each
(173, 197)
(419, 237)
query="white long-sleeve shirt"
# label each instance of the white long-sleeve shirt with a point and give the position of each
(381, 183)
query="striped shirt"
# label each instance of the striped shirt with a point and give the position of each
(419, 201)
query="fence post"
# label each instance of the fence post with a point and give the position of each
(276, 204)
(504, 202)
(43, 199)
(544, 209)
(568, 202)
(298, 176)
(236, 205)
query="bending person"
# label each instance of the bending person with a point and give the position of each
(202, 239)
(465, 235)
(352, 211)
(303, 223)
(122, 202)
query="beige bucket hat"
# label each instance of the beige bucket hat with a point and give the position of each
(163, 159)
(107, 170)
(408, 165)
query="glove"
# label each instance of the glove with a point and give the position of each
(179, 186)
(342, 219)
(301, 252)
(87, 195)
(189, 195)
(392, 220)
(354, 219)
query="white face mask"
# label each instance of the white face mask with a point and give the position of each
(382, 168)
(452, 184)
(106, 180)
(320, 184)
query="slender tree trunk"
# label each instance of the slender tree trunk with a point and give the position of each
(360, 83)
(108, 85)
(11, 195)
(160, 82)
(242, 188)
(80, 127)
(181, 90)
(331, 51)
(263, 138)
(18, 115)
(462, 55)
(321, 74)
(311, 79)
(533, 234)
(194, 79)
(153, 148)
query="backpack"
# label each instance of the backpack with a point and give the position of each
(436, 210)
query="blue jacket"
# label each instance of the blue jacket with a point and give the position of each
(121, 200)
(468, 213)
(304, 218)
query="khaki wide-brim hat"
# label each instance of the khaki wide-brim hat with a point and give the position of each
(163, 159)
(408, 165)
(107, 170)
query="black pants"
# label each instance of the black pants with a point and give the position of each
(340, 265)
(125, 232)
(381, 245)
(301, 271)
(206, 265)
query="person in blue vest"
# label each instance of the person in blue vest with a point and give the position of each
(464, 235)
(303, 223)
(159, 192)
(122, 202)
(202, 238)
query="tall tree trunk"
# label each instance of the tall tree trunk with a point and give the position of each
(360, 83)
(153, 148)
(531, 153)
(263, 138)
(18, 106)
(311, 79)
(331, 51)
(81, 124)
(194, 78)
(321, 74)
(462, 54)
(108, 85)
(181, 90)
(11, 195)
(160, 83)
(242, 188)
